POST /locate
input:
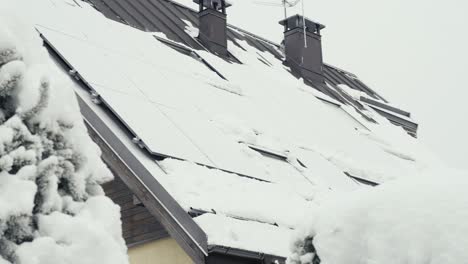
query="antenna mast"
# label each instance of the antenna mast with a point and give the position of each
(304, 24)
(284, 3)
(285, 12)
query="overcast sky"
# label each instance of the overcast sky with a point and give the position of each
(415, 53)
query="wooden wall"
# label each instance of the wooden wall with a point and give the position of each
(138, 225)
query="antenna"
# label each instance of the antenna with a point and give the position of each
(286, 4)
(279, 3)
(285, 12)
(304, 24)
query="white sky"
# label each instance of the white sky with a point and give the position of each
(413, 52)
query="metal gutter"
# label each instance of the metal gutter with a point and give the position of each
(227, 255)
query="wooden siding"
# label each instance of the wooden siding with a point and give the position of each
(138, 224)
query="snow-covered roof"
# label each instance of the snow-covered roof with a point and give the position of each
(252, 150)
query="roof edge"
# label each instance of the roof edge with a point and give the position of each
(177, 222)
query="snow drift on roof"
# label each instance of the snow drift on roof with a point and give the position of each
(414, 220)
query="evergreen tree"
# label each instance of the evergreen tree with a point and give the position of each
(304, 252)
(44, 170)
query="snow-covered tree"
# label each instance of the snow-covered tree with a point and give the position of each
(304, 252)
(52, 207)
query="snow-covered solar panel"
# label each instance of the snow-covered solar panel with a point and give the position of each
(284, 173)
(123, 97)
(342, 116)
(136, 92)
(92, 62)
(325, 171)
(222, 150)
(153, 127)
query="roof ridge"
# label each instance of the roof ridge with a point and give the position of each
(229, 24)
(254, 35)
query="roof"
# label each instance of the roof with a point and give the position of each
(245, 147)
(179, 24)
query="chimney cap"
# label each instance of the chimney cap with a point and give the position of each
(295, 21)
(214, 4)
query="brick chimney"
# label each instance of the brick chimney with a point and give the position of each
(213, 25)
(303, 56)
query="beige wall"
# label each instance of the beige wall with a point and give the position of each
(163, 251)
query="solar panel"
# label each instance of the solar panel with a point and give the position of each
(222, 150)
(282, 172)
(325, 171)
(144, 99)
(342, 116)
(89, 60)
(157, 132)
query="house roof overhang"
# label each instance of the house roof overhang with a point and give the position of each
(116, 155)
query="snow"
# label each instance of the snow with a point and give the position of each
(85, 238)
(414, 220)
(328, 174)
(190, 29)
(178, 107)
(228, 194)
(168, 140)
(248, 235)
(52, 208)
(10, 202)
